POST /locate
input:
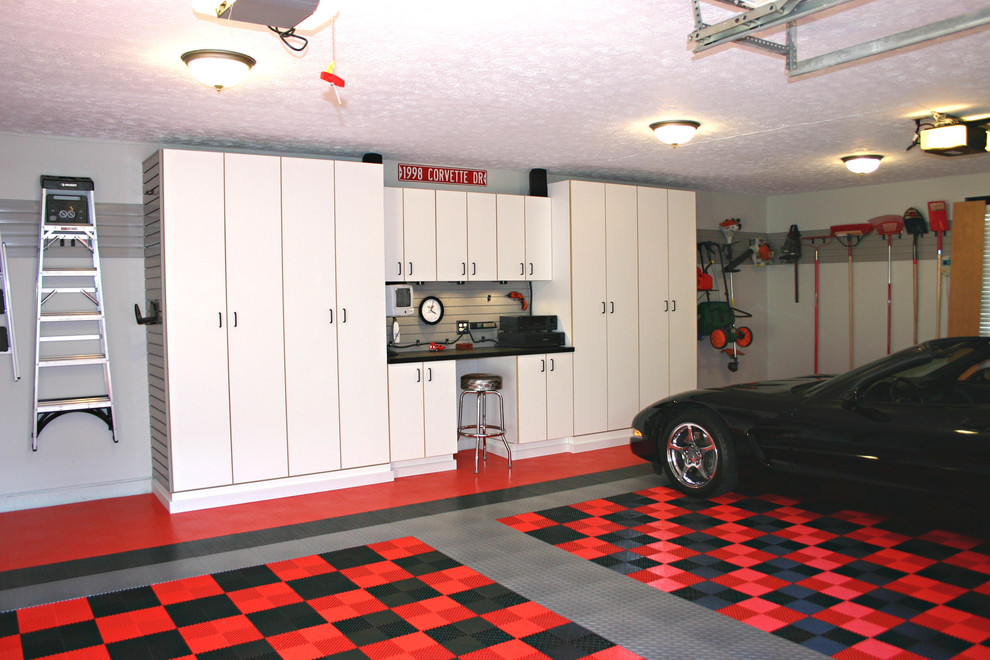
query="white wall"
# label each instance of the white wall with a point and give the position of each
(792, 330)
(76, 460)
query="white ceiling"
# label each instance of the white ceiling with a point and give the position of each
(566, 85)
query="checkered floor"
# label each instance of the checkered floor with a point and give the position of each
(846, 584)
(393, 599)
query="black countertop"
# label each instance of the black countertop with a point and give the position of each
(450, 353)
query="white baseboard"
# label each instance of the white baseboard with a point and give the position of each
(424, 465)
(74, 494)
(208, 498)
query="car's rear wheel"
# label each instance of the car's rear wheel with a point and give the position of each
(698, 455)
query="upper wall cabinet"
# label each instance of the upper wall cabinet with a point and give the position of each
(524, 232)
(454, 236)
(411, 235)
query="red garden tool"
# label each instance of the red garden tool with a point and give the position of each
(888, 225)
(938, 219)
(849, 237)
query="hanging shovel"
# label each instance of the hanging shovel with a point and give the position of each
(915, 225)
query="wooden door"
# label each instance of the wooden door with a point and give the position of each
(654, 303)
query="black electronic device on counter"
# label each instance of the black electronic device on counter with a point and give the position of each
(530, 339)
(518, 324)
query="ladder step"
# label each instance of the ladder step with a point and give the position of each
(68, 272)
(70, 289)
(71, 316)
(71, 360)
(81, 403)
(69, 338)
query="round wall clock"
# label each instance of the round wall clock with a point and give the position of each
(431, 310)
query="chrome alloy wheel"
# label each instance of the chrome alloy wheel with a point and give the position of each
(692, 455)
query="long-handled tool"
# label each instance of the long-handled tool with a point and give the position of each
(812, 241)
(914, 222)
(888, 225)
(938, 219)
(849, 237)
(790, 253)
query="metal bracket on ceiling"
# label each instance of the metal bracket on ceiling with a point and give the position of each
(759, 15)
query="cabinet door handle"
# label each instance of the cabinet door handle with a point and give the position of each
(612, 307)
(220, 315)
(551, 364)
(429, 374)
(474, 267)
(530, 267)
(463, 268)
(419, 375)
(666, 305)
(343, 318)
(522, 268)
(543, 366)
(674, 308)
(603, 307)
(410, 268)
(398, 268)
(235, 319)
(331, 316)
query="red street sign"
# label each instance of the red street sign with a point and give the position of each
(452, 175)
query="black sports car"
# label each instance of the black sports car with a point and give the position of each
(918, 418)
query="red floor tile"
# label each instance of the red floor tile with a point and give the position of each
(51, 534)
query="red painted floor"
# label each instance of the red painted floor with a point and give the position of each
(73, 531)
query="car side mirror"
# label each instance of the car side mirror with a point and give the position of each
(852, 399)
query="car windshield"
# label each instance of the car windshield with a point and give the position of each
(940, 362)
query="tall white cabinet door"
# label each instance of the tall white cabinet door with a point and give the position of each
(395, 264)
(531, 397)
(419, 235)
(440, 405)
(539, 250)
(654, 303)
(589, 307)
(195, 318)
(621, 279)
(361, 362)
(511, 227)
(405, 411)
(482, 237)
(254, 304)
(560, 395)
(682, 291)
(309, 292)
(452, 259)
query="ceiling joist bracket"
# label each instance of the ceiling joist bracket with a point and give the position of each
(762, 16)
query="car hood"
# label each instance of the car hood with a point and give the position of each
(780, 386)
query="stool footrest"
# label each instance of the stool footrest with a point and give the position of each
(474, 432)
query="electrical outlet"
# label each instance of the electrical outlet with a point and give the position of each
(462, 327)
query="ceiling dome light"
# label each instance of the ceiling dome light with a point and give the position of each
(218, 68)
(863, 164)
(674, 131)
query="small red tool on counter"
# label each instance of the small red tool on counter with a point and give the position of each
(515, 295)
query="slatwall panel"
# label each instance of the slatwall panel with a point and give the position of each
(985, 298)
(158, 409)
(119, 228)
(470, 301)
(873, 247)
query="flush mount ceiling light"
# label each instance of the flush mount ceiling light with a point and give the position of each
(674, 131)
(862, 164)
(218, 68)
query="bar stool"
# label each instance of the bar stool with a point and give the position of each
(482, 386)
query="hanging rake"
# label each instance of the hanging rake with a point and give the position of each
(888, 225)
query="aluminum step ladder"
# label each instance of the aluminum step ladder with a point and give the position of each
(7, 344)
(72, 365)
